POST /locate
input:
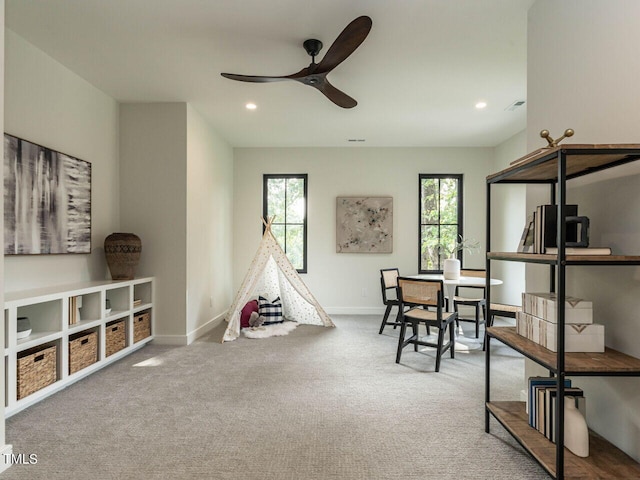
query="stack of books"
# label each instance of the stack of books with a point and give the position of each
(75, 304)
(137, 302)
(539, 323)
(541, 403)
(541, 233)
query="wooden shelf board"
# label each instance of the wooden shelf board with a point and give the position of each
(570, 259)
(604, 460)
(611, 362)
(541, 165)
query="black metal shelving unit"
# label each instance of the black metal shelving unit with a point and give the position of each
(554, 166)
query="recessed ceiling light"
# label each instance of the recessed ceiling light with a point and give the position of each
(481, 105)
(251, 106)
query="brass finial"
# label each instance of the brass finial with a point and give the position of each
(554, 143)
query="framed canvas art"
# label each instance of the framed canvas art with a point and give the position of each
(47, 200)
(364, 224)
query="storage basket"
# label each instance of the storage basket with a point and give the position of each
(141, 326)
(115, 337)
(37, 368)
(83, 351)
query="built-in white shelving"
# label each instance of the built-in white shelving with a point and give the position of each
(50, 314)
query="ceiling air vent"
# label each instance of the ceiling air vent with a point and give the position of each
(515, 105)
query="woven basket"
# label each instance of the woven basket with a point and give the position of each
(141, 326)
(115, 337)
(83, 351)
(36, 370)
(122, 251)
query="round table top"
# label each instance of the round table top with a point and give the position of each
(462, 281)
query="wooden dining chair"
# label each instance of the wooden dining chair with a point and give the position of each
(478, 303)
(389, 282)
(424, 294)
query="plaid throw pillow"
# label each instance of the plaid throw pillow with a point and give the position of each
(272, 312)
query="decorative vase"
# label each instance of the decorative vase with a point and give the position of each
(576, 432)
(451, 269)
(123, 254)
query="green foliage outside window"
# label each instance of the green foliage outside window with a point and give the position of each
(285, 199)
(440, 218)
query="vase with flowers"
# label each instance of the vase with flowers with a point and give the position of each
(451, 263)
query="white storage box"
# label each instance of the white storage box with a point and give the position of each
(543, 305)
(577, 338)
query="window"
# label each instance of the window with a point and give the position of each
(440, 218)
(285, 198)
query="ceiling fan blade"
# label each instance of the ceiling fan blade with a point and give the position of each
(336, 96)
(346, 43)
(253, 78)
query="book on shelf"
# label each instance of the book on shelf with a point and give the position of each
(581, 251)
(546, 226)
(534, 384)
(137, 302)
(526, 241)
(75, 304)
(73, 311)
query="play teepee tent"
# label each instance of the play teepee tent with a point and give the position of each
(272, 274)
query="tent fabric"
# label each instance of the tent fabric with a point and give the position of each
(271, 275)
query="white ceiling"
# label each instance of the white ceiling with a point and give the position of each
(416, 77)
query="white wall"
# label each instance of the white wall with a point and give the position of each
(209, 224)
(177, 189)
(3, 448)
(153, 196)
(508, 217)
(583, 69)
(338, 280)
(50, 105)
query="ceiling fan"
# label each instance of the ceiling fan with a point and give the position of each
(315, 75)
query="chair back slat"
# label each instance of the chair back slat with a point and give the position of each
(390, 277)
(421, 292)
(473, 273)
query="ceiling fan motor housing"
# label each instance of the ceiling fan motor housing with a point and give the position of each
(312, 46)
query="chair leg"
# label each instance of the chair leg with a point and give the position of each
(397, 318)
(455, 309)
(403, 329)
(477, 320)
(439, 350)
(452, 339)
(415, 326)
(384, 319)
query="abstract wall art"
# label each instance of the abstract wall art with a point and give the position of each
(364, 224)
(47, 200)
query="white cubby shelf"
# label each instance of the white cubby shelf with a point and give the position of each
(50, 312)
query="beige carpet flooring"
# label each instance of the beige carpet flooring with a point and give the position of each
(317, 404)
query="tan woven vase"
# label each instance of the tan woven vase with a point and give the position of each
(123, 254)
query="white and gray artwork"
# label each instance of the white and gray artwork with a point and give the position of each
(47, 200)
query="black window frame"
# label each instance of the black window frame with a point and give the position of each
(265, 179)
(460, 178)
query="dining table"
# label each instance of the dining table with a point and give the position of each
(450, 284)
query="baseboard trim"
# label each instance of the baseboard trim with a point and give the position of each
(355, 310)
(206, 328)
(183, 340)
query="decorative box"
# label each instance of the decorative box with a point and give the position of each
(544, 305)
(577, 337)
